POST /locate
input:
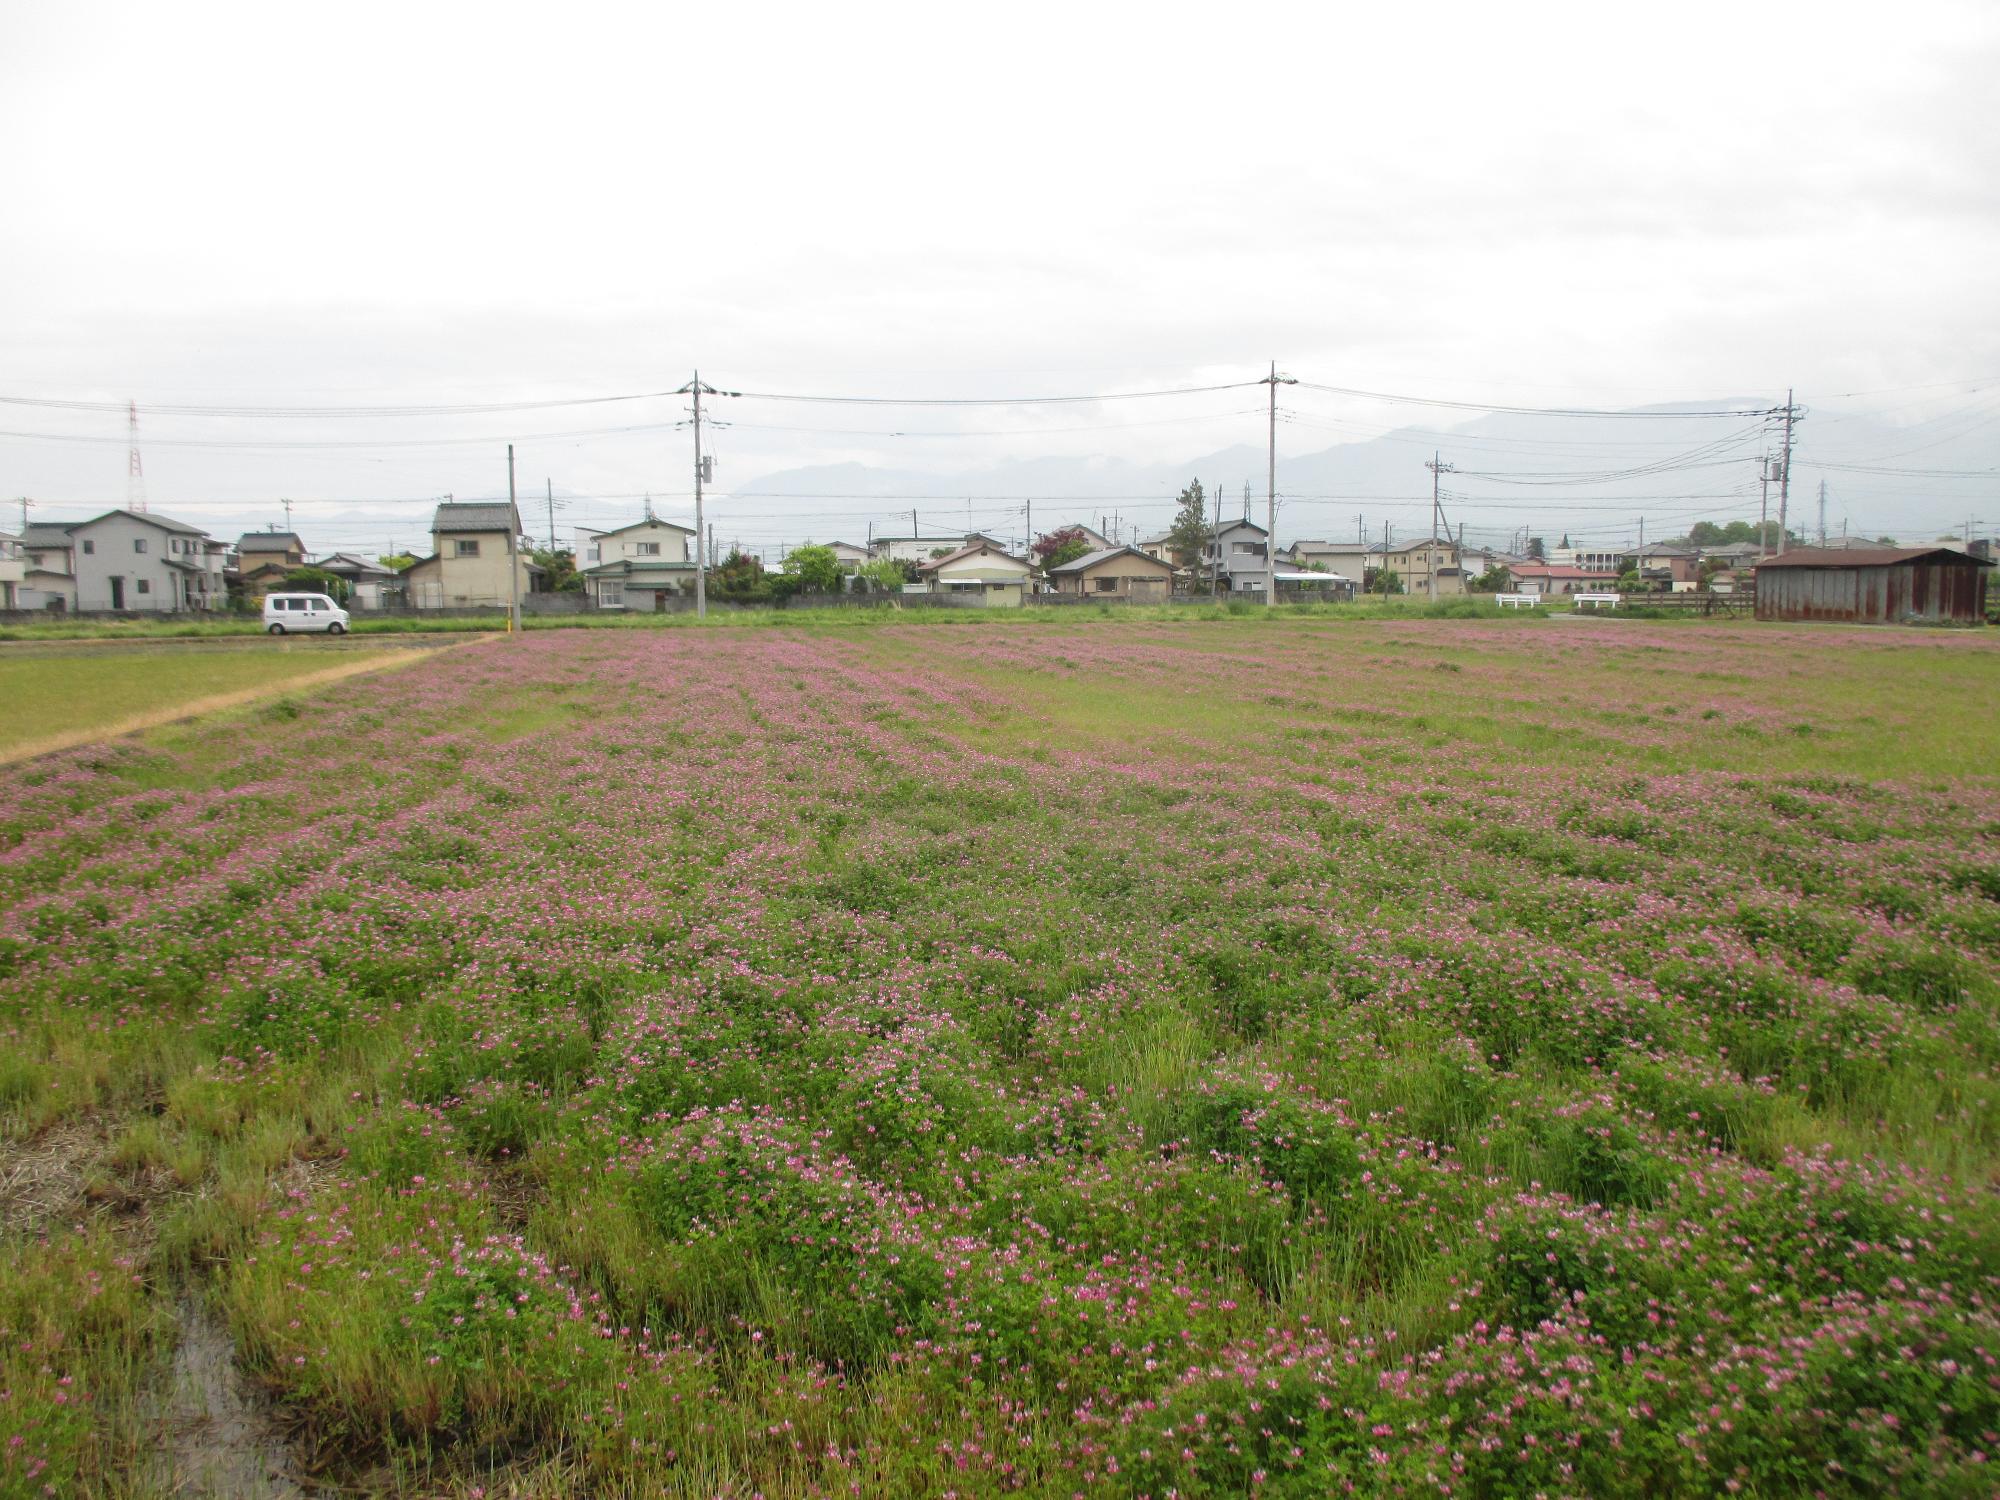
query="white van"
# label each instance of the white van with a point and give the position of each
(288, 612)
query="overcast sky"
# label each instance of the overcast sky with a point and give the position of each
(423, 204)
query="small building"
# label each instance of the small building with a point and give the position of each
(1874, 586)
(1238, 554)
(13, 571)
(264, 560)
(125, 560)
(980, 573)
(1426, 565)
(1159, 546)
(916, 549)
(365, 580)
(1349, 559)
(1667, 568)
(1116, 573)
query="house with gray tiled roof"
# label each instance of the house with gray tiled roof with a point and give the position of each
(467, 567)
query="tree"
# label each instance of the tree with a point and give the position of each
(1063, 545)
(1493, 581)
(1188, 536)
(397, 561)
(887, 574)
(1538, 549)
(318, 581)
(560, 565)
(1885, 541)
(740, 580)
(1628, 581)
(817, 569)
(1384, 581)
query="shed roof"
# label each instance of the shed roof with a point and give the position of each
(270, 541)
(1868, 557)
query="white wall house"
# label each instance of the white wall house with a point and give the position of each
(916, 549)
(639, 567)
(13, 571)
(1238, 551)
(136, 561)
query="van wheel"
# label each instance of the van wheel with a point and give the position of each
(336, 628)
(277, 629)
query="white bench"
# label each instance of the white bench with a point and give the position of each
(1606, 601)
(1518, 601)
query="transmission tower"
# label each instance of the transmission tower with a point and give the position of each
(135, 473)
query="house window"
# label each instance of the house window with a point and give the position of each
(138, 544)
(465, 548)
(594, 552)
(1105, 585)
(145, 585)
(611, 595)
(649, 549)
(89, 549)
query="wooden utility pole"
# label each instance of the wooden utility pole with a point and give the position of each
(551, 484)
(704, 470)
(1438, 468)
(513, 550)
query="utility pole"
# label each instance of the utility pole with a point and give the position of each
(1785, 478)
(1822, 512)
(513, 547)
(288, 513)
(1765, 469)
(1438, 468)
(25, 503)
(1274, 380)
(551, 487)
(704, 469)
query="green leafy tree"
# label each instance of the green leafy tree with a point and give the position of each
(1385, 581)
(885, 574)
(560, 566)
(1189, 534)
(397, 561)
(1495, 580)
(1063, 545)
(1538, 549)
(739, 580)
(815, 569)
(317, 581)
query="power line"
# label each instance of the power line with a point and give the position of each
(1534, 411)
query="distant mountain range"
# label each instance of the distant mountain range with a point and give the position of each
(1544, 473)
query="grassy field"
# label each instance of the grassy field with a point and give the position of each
(1275, 1057)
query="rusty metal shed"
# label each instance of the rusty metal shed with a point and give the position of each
(1874, 586)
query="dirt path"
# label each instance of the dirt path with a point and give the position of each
(216, 1438)
(216, 702)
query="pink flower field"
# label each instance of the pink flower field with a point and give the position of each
(1074, 1057)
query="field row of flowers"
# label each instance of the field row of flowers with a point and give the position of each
(1143, 1058)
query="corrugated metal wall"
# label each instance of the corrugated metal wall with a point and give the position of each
(1928, 591)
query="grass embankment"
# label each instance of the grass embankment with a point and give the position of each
(1145, 1057)
(65, 698)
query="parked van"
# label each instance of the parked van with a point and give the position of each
(288, 612)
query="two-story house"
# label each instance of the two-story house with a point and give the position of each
(48, 569)
(641, 566)
(916, 549)
(1238, 556)
(140, 560)
(467, 568)
(1667, 567)
(1348, 559)
(13, 569)
(1429, 566)
(365, 580)
(264, 559)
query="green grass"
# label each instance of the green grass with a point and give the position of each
(58, 695)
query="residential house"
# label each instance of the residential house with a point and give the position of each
(264, 559)
(980, 573)
(1116, 573)
(467, 567)
(13, 570)
(1667, 567)
(365, 580)
(1421, 564)
(1158, 546)
(642, 566)
(128, 560)
(1237, 555)
(584, 547)
(1550, 579)
(850, 557)
(48, 568)
(916, 549)
(1348, 559)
